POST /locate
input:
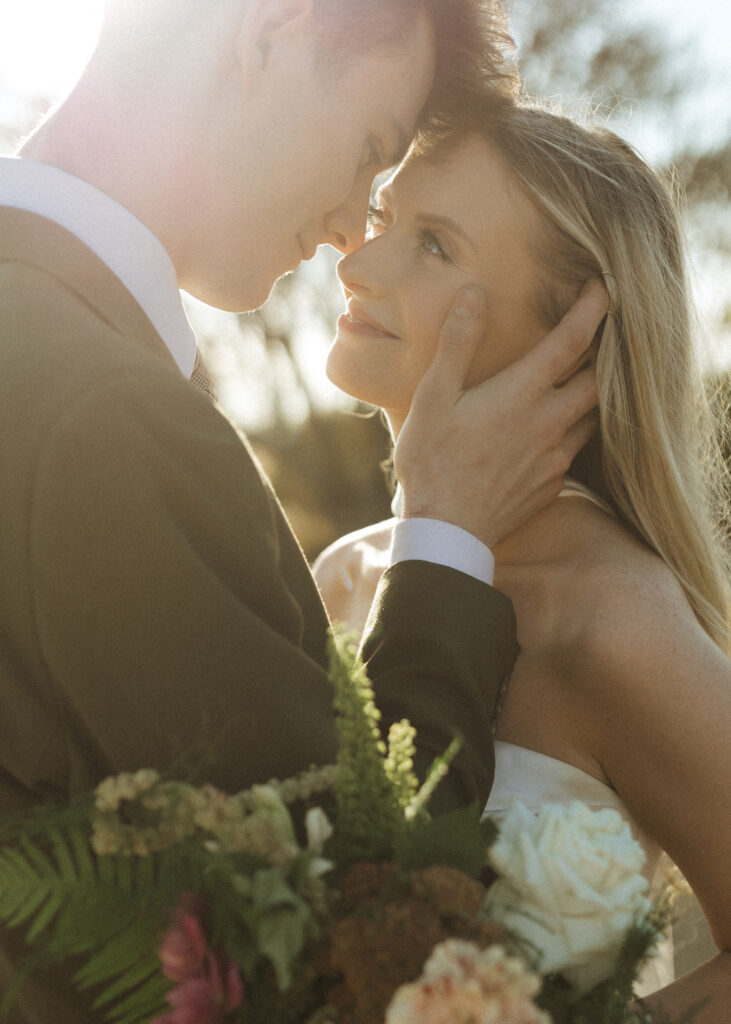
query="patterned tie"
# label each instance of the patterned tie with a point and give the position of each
(201, 377)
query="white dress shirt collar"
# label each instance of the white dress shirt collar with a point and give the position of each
(115, 235)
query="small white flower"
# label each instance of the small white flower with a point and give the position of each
(318, 829)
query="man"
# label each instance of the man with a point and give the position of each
(154, 598)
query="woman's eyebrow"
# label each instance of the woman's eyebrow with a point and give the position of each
(432, 220)
(435, 220)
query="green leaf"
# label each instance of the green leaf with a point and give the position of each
(31, 902)
(64, 860)
(281, 936)
(42, 864)
(83, 854)
(124, 874)
(118, 954)
(143, 1004)
(107, 869)
(457, 839)
(45, 916)
(282, 922)
(147, 966)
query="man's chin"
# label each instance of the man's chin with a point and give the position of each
(245, 299)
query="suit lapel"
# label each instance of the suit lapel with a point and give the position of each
(35, 240)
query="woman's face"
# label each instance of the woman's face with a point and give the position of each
(436, 226)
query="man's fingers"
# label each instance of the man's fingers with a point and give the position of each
(461, 332)
(576, 436)
(577, 396)
(558, 355)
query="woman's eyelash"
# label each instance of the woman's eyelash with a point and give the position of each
(375, 215)
(430, 242)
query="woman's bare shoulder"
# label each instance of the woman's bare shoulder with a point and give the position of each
(629, 641)
(590, 586)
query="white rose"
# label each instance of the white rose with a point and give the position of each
(570, 884)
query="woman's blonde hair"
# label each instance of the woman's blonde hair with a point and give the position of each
(606, 213)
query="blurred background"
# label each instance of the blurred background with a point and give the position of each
(657, 71)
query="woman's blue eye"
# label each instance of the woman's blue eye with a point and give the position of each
(429, 242)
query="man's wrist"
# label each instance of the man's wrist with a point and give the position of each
(432, 540)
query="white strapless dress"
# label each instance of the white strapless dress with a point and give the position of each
(537, 779)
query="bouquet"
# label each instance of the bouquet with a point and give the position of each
(332, 898)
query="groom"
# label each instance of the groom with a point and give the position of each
(153, 595)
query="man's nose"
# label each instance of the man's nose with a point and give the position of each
(345, 226)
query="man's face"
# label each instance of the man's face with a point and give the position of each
(319, 139)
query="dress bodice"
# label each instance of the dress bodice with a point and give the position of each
(537, 779)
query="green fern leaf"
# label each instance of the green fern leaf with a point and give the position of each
(64, 860)
(119, 953)
(45, 915)
(42, 864)
(146, 967)
(30, 904)
(124, 879)
(85, 864)
(107, 870)
(142, 1004)
(17, 879)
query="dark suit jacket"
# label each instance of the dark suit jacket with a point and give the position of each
(154, 602)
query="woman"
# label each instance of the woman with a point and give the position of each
(621, 694)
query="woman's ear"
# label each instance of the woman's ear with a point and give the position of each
(264, 23)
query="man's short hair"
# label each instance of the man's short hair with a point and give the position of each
(474, 50)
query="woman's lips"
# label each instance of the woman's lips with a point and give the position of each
(358, 322)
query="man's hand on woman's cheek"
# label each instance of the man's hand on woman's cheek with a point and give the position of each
(490, 457)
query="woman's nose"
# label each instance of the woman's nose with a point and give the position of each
(357, 270)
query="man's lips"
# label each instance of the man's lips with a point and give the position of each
(357, 321)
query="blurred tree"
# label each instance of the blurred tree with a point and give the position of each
(599, 50)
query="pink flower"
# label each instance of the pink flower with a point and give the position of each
(224, 981)
(207, 998)
(209, 984)
(464, 985)
(192, 1003)
(183, 948)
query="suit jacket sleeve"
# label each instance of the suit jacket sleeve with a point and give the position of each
(179, 625)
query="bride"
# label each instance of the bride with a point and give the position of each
(621, 694)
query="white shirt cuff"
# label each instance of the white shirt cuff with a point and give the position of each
(431, 540)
